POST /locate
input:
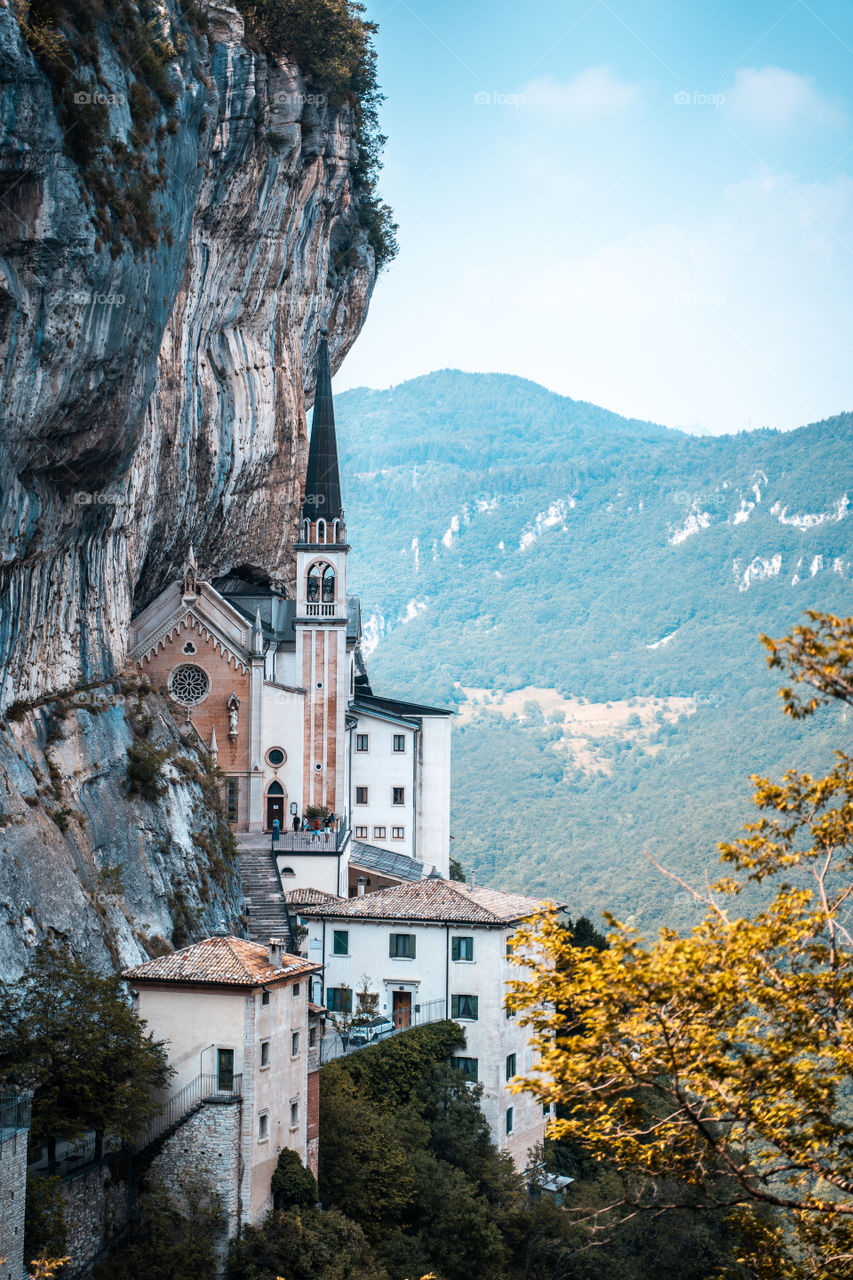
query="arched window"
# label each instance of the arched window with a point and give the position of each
(321, 530)
(275, 789)
(306, 530)
(328, 585)
(335, 531)
(314, 584)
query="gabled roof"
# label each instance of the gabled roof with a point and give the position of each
(433, 900)
(323, 481)
(232, 962)
(370, 857)
(295, 897)
(394, 708)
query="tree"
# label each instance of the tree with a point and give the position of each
(174, 1238)
(722, 1059)
(304, 1244)
(292, 1185)
(68, 1034)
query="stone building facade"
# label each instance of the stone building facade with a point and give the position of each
(14, 1139)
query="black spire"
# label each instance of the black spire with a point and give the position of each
(323, 482)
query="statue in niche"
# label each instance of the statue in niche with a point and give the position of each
(233, 705)
(190, 575)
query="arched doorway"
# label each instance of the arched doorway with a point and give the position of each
(275, 805)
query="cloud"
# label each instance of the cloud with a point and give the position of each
(594, 92)
(773, 98)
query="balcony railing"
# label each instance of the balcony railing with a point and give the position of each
(320, 610)
(337, 1044)
(207, 1087)
(321, 841)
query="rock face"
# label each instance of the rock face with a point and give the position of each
(119, 860)
(155, 396)
(154, 388)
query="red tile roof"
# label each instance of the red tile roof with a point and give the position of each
(232, 962)
(434, 900)
(296, 896)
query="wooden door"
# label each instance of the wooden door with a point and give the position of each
(402, 1009)
(275, 809)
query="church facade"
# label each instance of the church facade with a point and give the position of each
(275, 685)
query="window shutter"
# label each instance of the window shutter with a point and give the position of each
(455, 948)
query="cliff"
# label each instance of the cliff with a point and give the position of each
(180, 215)
(160, 300)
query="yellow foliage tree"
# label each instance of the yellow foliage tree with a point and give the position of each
(722, 1062)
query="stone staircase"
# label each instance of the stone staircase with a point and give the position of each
(264, 898)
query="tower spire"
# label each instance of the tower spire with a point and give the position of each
(323, 481)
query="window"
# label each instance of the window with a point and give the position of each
(510, 1066)
(398, 833)
(225, 1070)
(312, 1037)
(401, 946)
(462, 948)
(379, 833)
(509, 946)
(294, 990)
(509, 1011)
(464, 1007)
(265, 997)
(546, 1110)
(263, 1126)
(509, 1119)
(232, 799)
(340, 942)
(276, 756)
(361, 742)
(399, 742)
(361, 833)
(328, 585)
(294, 1114)
(294, 1043)
(361, 795)
(467, 1067)
(313, 590)
(398, 795)
(189, 685)
(339, 999)
(265, 1053)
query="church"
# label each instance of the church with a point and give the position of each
(353, 787)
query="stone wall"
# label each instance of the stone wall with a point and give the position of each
(312, 1144)
(13, 1192)
(205, 1150)
(97, 1210)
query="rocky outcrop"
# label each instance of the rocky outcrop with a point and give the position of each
(120, 856)
(154, 388)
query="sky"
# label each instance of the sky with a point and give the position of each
(647, 204)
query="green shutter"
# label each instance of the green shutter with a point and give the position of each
(475, 1000)
(392, 945)
(413, 941)
(454, 1006)
(455, 948)
(340, 943)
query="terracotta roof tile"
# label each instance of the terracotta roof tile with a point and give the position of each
(440, 900)
(296, 896)
(233, 962)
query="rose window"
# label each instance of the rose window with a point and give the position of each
(189, 684)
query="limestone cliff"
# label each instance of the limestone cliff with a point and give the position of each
(153, 385)
(179, 217)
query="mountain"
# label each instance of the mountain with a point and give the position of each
(589, 591)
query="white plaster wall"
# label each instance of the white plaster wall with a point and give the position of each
(314, 871)
(381, 768)
(282, 726)
(434, 799)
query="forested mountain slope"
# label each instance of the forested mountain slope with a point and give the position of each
(510, 539)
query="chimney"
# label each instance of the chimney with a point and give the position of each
(361, 886)
(277, 952)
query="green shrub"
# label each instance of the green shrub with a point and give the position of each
(292, 1185)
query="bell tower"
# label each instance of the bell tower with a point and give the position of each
(321, 607)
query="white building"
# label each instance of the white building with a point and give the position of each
(271, 676)
(236, 1020)
(434, 948)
